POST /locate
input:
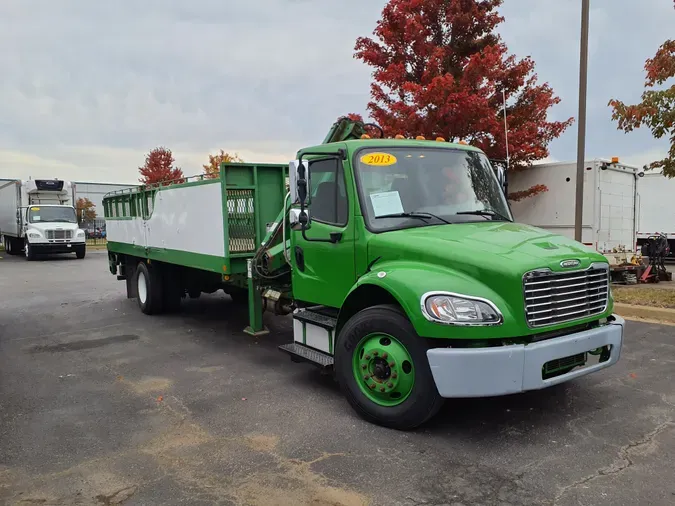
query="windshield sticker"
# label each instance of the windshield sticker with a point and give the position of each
(34, 208)
(385, 203)
(36, 217)
(378, 159)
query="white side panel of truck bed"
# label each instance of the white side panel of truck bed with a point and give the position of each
(554, 210)
(188, 219)
(655, 212)
(8, 206)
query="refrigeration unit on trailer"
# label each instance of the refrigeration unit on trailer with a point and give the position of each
(38, 216)
(656, 216)
(399, 260)
(609, 219)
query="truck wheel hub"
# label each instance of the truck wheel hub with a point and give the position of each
(383, 369)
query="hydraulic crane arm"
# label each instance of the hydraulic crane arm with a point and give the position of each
(345, 129)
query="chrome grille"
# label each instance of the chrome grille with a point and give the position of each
(558, 297)
(59, 234)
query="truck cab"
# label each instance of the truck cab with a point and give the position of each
(39, 217)
(409, 250)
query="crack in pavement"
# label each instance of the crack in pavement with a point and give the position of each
(117, 497)
(618, 466)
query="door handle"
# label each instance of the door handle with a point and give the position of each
(300, 258)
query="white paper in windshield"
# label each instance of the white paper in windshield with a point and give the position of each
(386, 203)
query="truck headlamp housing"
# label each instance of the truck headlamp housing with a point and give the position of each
(457, 309)
(34, 235)
(80, 233)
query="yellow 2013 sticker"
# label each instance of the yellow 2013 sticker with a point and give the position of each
(34, 208)
(378, 159)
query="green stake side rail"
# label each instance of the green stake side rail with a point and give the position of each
(398, 259)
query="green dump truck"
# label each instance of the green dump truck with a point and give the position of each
(398, 259)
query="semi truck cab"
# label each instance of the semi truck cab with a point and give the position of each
(50, 229)
(38, 216)
(410, 251)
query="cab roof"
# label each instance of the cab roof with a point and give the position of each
(356, 144)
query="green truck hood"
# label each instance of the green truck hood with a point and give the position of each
(474, 247)
(478, 259)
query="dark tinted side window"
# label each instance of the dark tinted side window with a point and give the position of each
(328, 203)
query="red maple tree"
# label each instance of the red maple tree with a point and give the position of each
(159, 168)
(657, 108)
(440, 70)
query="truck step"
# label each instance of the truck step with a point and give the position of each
(319, 316)
(301, 353)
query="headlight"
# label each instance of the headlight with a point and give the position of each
(80, 233)
(34, 235)
(457, 309)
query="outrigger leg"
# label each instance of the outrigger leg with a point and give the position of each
(256, 326)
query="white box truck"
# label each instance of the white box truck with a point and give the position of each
(655, 215)
(609, 219)
(38, 216)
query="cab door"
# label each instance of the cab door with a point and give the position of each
(323, 271)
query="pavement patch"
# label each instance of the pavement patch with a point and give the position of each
(84, 344)
(147, 385)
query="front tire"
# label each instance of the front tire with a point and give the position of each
(81, 252)
(149, 289)
(383, 371)
(28, 250)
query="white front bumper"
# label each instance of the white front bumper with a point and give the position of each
(502, 370)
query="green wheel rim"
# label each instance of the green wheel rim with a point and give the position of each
(383, 369)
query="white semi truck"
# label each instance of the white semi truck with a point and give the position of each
(38, 216)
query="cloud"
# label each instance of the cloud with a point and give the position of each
(89, 87)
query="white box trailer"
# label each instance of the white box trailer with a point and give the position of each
(655, 215)
(38, 216)
(609, 223)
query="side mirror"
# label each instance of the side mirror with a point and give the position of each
(298, 218)
(501, 177)
(300, 190)
(296, 173)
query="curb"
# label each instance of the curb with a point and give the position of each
(659, 314)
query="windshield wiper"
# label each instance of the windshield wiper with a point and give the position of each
(421, 216)
(485, 212)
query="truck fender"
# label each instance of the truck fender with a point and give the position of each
(403, 283)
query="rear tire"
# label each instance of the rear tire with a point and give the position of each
(9, 245)
(149, 288)
(388, 402)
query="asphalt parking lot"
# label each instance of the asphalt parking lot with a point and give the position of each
(102, 405)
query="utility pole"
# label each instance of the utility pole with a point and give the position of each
(581, 142)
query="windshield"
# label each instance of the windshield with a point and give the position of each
(49, 214)
(436, 185)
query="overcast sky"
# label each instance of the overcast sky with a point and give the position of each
(88, 87)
